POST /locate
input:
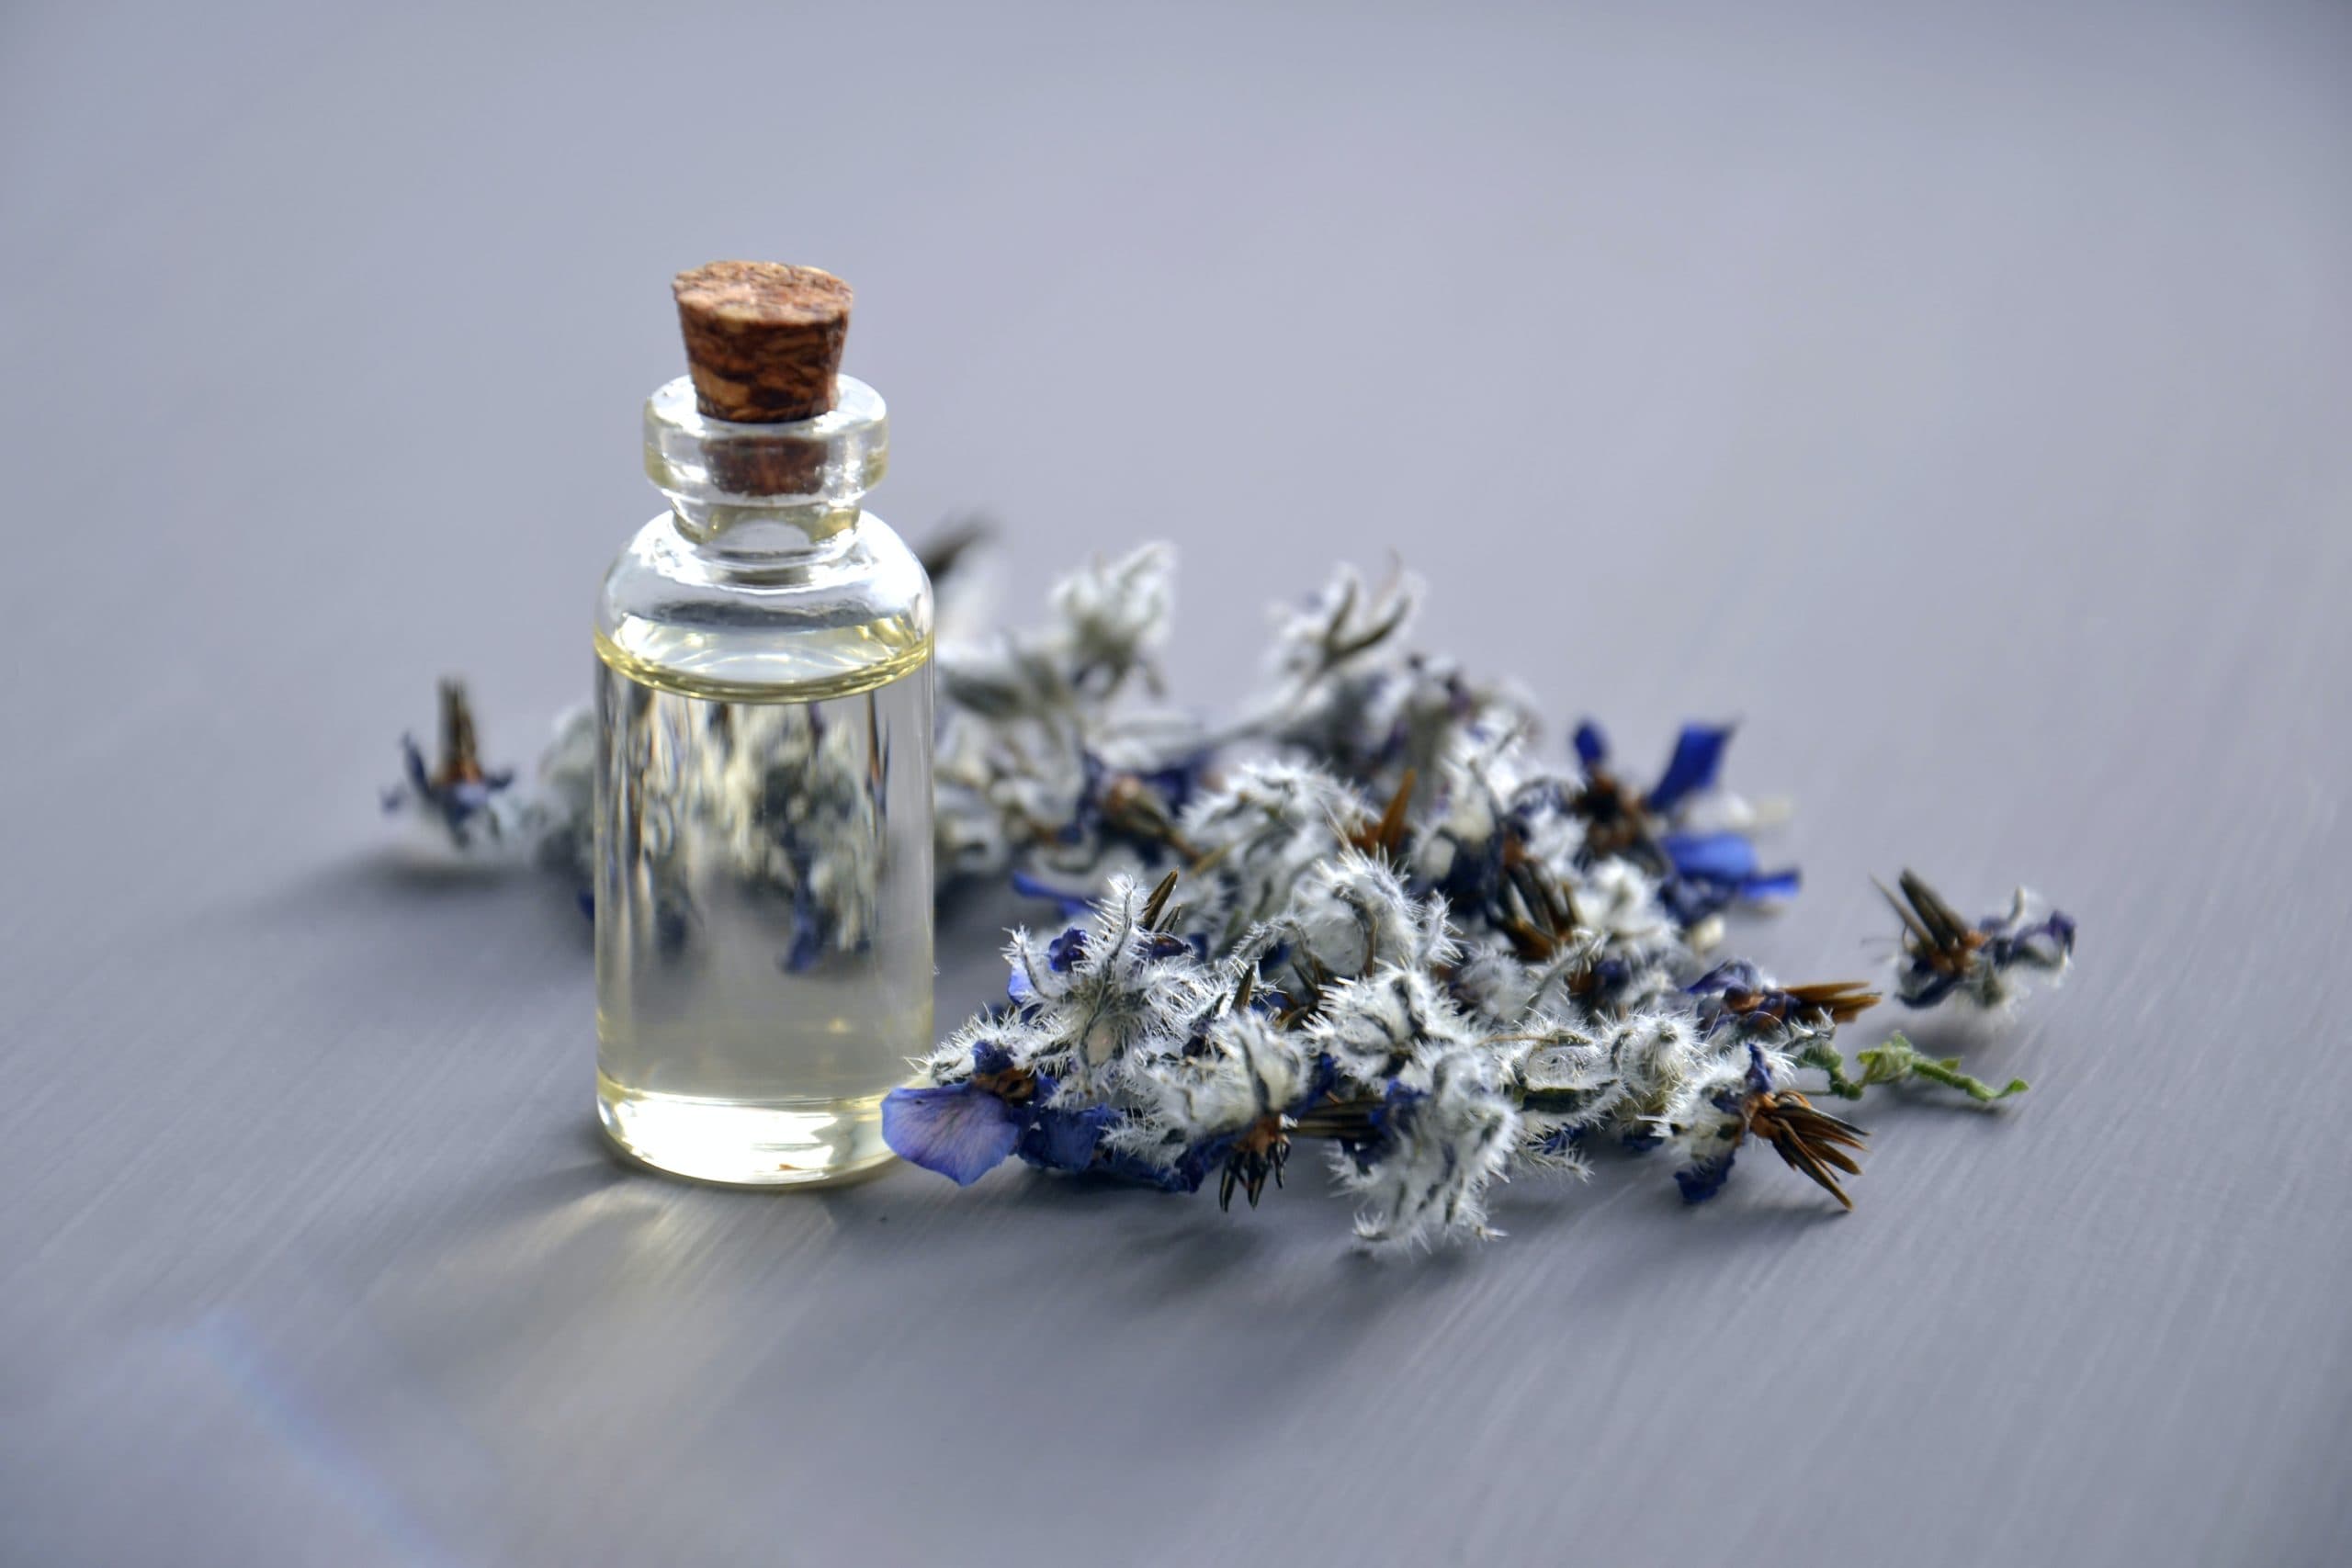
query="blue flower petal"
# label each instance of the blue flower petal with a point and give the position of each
(808, 944)
(1592, 745)
(2058, 931)
(1193, 1166)
(1178, 783)
(1770, 887)
(1161, 944)
(420, 777)
(1698, 757)
(1739, 974)
(1924, 985)
(1185, 1176)
(1692, 900)
(961, 1131)
(1711, 857)
(1475, 876)
(2047, 941)
(1066, 950)
(1562, 1140)
(1320, 1082)
(1703, 1181)
(1065, 1140)
(1073, 902)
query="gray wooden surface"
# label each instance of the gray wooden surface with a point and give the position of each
(1960, 394)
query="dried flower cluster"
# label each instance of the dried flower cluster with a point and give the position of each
(460, 797)
(1367, 910)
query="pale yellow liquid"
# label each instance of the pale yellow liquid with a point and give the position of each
(763, 915)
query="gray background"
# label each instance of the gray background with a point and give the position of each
(1959, 394)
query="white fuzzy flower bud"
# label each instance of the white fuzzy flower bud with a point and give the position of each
(1240, 1070)
(1371, 1027)
(1114, 614)
(1447, 1131)
(1618, 901)
(1351, 915)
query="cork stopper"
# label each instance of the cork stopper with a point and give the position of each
(764, 340)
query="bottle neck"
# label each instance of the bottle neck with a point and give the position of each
(766, 497)
(750, 533)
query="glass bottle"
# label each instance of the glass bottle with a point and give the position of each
(763, 882)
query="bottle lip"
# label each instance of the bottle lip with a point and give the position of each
(831, 460)
(856, 406)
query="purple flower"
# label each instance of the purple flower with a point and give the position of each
(1072, 899)
(1134, 810)
(809, 943)
(1810, 1142)
(965, 1130)
(1562, 1141)
(1064, 1139)
(1712, 870)
(1381, 1122)
(456, 787)
(1739, 974)
(1737, 993)
(1699, 872)
(961, 1131)
(2046, 944)
(1705, 1175)
(1698, 757)
(1701, 1180)
(1943, 955)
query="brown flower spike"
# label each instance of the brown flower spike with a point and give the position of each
(1805, 1138)
(1933, 932)
(1835, 1001)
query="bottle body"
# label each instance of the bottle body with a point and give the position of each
(764, 879)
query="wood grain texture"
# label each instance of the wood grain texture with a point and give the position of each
(1959, 397)
(763, 339)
